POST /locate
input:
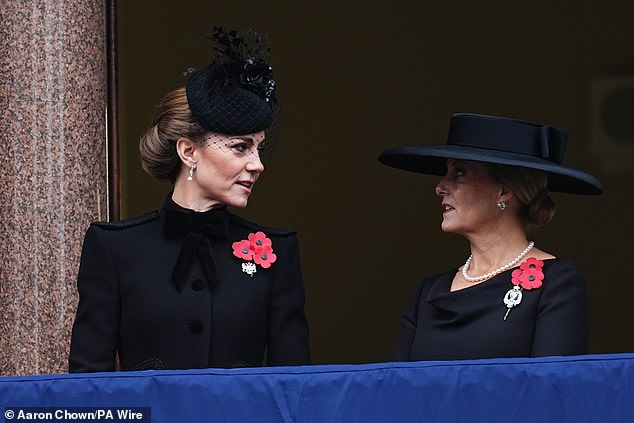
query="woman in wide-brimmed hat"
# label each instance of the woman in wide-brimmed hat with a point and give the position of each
(194, 285)
(509, 298)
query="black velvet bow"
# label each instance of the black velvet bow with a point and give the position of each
(198, 228)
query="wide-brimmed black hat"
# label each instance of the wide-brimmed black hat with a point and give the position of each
(235, 94)
(499, 140)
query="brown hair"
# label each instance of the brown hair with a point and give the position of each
(530, 188)
(172, 120)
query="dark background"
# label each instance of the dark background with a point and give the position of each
(356, 78)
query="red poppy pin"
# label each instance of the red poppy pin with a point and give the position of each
(256, 247)
(528, 276)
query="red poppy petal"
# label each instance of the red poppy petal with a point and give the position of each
(242, 249)
(535, 274)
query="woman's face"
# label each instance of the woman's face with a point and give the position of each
(227, 168)
(469, 198)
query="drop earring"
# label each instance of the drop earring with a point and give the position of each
(192, 168)
(502, 204)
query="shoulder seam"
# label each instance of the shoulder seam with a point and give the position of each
(271, 231)
(133, 221)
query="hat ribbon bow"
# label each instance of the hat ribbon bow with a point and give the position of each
(552, 144)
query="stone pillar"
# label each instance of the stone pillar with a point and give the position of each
(52, 173)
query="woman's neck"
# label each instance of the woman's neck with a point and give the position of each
(187, 197)
(493, 251)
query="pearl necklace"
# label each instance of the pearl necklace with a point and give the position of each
(496, 271)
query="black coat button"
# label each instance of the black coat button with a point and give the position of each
(196, 326)
(197, 284)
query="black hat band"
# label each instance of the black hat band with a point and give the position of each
(545, 142)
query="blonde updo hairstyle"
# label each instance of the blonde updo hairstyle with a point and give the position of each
(530, 188)
(172, 120)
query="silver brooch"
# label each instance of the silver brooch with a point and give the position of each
(249, 268)
(512, 298)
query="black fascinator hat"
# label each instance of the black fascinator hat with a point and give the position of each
(235, 93)
(499, 140)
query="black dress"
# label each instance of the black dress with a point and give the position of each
(210, 313)
(469, 323)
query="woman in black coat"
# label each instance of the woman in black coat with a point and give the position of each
(194, 285)
(509, 299)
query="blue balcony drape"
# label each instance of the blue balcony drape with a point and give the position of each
(589, 388)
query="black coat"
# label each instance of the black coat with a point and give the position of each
(130, 305)
(469, 323)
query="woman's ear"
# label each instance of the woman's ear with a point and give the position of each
(186, 149)
(505, 193)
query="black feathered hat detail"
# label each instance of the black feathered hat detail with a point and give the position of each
(235, 93)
